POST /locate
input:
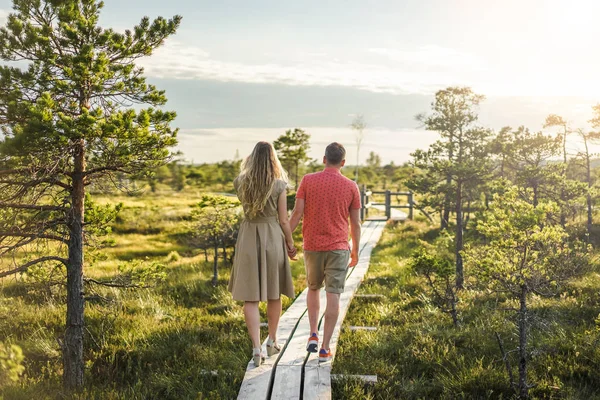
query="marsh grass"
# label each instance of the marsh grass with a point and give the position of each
(417, 354)
(162, 342)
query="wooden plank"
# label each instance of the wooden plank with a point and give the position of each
(284, 386)
(256, 380)
(362, 328)
(370, 295)
(292, 335)
(317, 383)
(288, 382)
(369, 379)
(395, 214)
(317, 376)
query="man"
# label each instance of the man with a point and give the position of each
(326, 199)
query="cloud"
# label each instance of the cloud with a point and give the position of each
(431, 56)
(420, 70)
(177, 61)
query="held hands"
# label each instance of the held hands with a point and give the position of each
(353, 258)
(292, 252)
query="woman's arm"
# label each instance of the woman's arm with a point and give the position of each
(285, 223)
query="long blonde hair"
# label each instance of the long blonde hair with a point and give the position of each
(257, 178)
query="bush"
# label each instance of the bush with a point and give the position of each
(11, 360)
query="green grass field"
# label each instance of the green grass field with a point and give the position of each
(416, 352)
(161, 342)
(165, 342)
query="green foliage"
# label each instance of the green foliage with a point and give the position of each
(435, 263)
(100, 217)
(525, 253)
(215, 223)
(524, 247)
(214, 218)
(68, 119)
(452, 172)
(173, 256)
(139, 273)
(11, 360)
(416, 356)
(292, 148)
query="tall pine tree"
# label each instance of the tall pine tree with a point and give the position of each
(67, 92)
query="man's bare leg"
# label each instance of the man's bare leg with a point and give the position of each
(313, 305)
(331, 315)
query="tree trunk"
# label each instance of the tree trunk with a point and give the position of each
(589, 218)
(357, 162)
(215, 264)
(459, 237)
(563, 216)
(224, 247)
(73, 343)
(589, 195)
(205, 254)
(523, 387)
(446, 210)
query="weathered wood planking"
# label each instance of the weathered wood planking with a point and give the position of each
(362, 328)
(292, 334)
(369, 296)
(367, 379)
(256, 381)
(317, 376)
(286, 384)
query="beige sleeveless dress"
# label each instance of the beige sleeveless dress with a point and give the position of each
(261, 269)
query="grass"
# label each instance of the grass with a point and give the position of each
(164, 342)
(417, 354)
(155, 343)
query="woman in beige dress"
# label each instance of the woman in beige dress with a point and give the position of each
(261, 269)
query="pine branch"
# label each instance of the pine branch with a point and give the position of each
(114, 284)
(25, 266)
(32, 235)
(33, 207)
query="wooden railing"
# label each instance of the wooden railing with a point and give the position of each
(387, 204)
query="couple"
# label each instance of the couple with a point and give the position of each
(261, 269)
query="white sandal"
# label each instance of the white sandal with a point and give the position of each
(272, 347)
(258, 357)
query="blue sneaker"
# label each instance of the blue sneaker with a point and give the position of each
(325, 355)
(313, 343)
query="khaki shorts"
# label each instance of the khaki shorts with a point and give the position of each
(330, 266)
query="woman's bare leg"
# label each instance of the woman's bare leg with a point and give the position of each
(273, 314)
(252, 317)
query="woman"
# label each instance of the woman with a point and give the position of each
(261, 269)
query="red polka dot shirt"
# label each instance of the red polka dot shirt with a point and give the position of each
(328, 198)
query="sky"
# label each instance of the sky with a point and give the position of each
(242, 71)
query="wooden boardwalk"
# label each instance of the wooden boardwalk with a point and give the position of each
(295, 373)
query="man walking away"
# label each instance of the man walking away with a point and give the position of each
(326, 199)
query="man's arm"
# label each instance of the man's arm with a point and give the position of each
(297, 214)
(355, 234)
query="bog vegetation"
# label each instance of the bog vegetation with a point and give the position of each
(115, 252)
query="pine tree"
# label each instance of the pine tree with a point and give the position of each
(67, 88)
(292, 148)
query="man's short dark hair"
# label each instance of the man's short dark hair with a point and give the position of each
(335, 153)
